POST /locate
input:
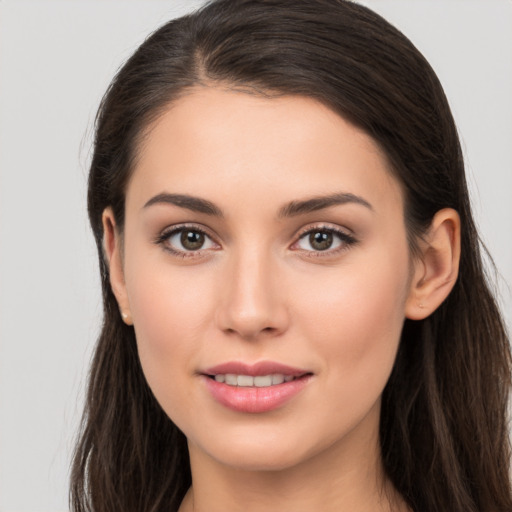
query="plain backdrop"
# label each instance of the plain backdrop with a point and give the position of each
(56, 60)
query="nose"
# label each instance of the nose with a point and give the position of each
(252, 301)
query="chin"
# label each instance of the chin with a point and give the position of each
(277, 451)
(258, 460)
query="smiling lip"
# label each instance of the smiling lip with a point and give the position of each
(258, 369)
(255, 399)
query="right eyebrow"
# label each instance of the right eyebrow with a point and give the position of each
(195, 204)
(313, 204)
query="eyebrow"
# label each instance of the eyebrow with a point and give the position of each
(313, 204)
(291, 209)
(196, 204)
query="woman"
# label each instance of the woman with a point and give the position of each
(296, 316)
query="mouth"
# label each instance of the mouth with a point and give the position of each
(257, 388)
(259, 375)
(259, 381)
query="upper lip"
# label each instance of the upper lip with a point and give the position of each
(255, 370)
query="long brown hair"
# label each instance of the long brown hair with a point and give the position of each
(444, 435)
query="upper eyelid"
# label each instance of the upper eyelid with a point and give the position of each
(181, 227)
(345, 235)
(168, 231)
(327, 226)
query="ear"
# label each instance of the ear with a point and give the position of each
(437, 267)
(112, 247)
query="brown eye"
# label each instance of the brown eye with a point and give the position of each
(324, 239)
(185, 240)
(192, 240)
(321, 240)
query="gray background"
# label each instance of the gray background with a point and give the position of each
(56, 59)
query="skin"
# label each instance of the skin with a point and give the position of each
(260, 290)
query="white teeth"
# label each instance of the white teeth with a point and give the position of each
(277, 378)
(261, 381)
(245, 380)
(231, 379)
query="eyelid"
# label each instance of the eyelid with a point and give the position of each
(169, 231)
(327, 226)
(345, 235)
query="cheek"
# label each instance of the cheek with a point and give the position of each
(169, 313)
(166, 312)
(167, 305)
(356, 320)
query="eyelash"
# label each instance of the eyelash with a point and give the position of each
(164, 237)
(346, 240)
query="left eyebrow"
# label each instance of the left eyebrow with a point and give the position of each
(196, 204)
(314, 204)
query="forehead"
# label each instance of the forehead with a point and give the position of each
(215, 142)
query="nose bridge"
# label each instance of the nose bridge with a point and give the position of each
(251, 302)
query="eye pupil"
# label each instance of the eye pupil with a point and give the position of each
(321, 240)
(192, 240)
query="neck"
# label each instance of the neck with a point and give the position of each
(346, 476)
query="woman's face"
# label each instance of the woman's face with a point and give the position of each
(266, 269)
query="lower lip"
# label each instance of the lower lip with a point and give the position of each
(254, 399)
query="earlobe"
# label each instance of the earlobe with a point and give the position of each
(436, 269)
(112, 248)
